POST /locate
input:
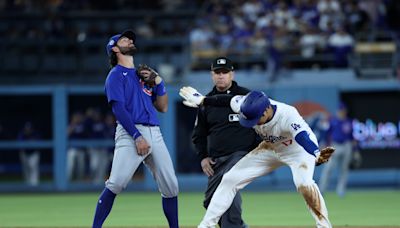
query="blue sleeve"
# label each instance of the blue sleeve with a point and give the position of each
(304, 140)
(124, 119)
(158, 90)
(114, 87)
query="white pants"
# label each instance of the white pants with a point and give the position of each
(98, 164)
(30, 167)
(75, 163)
(261, 162)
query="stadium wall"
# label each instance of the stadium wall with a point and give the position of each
(322, 89)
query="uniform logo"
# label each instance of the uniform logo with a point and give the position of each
(147, 90)
(272, 138)
(124, 73)
(221, 61)
(295, 126)
(111, 43)
(233, 117)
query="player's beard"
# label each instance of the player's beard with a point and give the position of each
(127, 50)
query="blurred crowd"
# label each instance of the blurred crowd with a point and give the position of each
(94, 125)
(266, 30)
(59, 19)
(91, 5)
(86, 162)
(305, 27)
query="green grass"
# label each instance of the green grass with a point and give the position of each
(369, 208)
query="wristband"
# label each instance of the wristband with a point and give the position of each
(160, 89)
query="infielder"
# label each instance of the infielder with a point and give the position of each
(134, 95)
(287, 140)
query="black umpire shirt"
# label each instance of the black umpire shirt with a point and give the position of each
(217, 131)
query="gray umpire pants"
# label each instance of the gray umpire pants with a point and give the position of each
(232, 218)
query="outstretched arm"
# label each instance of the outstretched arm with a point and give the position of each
(193, 98)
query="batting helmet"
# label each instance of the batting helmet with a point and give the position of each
(253, 108)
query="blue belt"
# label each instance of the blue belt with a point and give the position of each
(147, 124)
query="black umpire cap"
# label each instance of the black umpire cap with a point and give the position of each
(222, 63)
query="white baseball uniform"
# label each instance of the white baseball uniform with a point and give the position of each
(278, 148)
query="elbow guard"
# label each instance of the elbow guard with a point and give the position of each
(236, 102)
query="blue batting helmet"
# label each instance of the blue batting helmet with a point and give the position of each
(253, 108)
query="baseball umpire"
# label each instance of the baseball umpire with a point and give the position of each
(134, 95)
(219, 139)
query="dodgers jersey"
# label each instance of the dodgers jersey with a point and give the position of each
(281, 130)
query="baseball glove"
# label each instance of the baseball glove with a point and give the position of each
(148, 75)
(324, 155)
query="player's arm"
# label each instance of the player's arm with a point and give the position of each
(220, 100)
(199, 139)
(127, 122)
(299, 130)
(303, 138)
(160, 98)
(115, 96)
(193, 98)
(153, 80)
(123, 117)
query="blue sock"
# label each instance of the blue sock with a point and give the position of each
(103, 208)
(170, 207)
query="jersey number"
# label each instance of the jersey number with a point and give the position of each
(287, 142)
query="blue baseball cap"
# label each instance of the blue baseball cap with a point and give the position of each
(342, 106)
(253, 108)
(114, 39)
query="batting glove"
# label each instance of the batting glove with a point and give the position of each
(190, 104)
(191, 96)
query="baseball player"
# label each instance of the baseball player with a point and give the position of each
(134, 95)
(340, 135)
(287, 140)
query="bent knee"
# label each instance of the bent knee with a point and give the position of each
(303, 181)
(114, 187)
(170, 190)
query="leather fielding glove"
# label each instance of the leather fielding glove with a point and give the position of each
(150, 77)
(324, 155)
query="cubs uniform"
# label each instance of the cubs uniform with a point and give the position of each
(132, 104)
(341, 137)
(287, 140)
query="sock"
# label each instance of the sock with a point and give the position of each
(170, 207)
(103, 208)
